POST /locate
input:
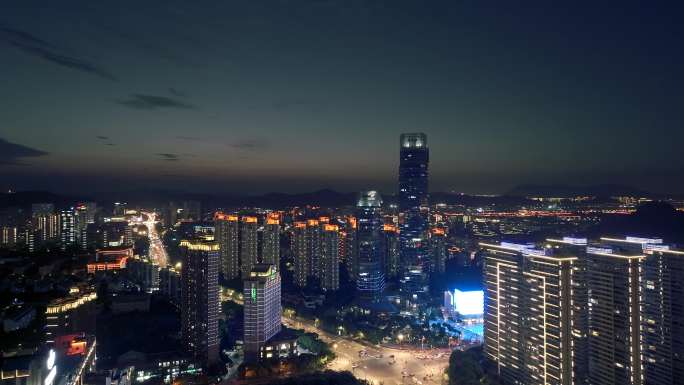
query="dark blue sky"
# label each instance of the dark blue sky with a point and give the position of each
(250, 96)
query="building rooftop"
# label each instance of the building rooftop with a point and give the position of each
(369, 199)
(199, 244)
(262, 270)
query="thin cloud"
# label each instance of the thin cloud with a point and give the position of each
(153, 102)
(22, 36)
(105, 140)
(168, 156)
(35, 46)
(10, 153)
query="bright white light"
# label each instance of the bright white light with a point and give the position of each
(652, 241)
(50, 379)
(517, 246)
(469, 302)
(575, 241)
(647, 247)
(599, 250)
(52, 357)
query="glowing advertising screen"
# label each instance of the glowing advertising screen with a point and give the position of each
(52, 368)
(469, 302)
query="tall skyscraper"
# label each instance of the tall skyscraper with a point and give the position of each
(248, 244)
(171, 215)
(67, 219)
(577, 247)
(90, 211)
(614, 315)
(44, 222)
(301, 260)
(262, 309)
(414, 158)
(9, 235)
(313, 247)
(227, 229)
(351, 247)
(84, 215)
(390, 249)
(528, 314)
(502, 335)
(662, 307)
(330, 264)
(119, 209)
(170, 283)
(200, 300)
(371, 280)
(192, 211)
(662, 321)
(270, 245)
(438, 250)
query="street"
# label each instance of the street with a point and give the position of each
(157, 251)
(379, 364)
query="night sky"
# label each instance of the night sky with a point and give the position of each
(251, 96)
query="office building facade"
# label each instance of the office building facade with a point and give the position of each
(298, 246)
(67, 220)
(200, 300)
(661, 308)
(226, 233)
(248, 244)
(313, 248)
(614, 316)
(370, 282)
(414, 158)
(351, 247)
(262, 309)
(528, 314)
(270, 244)
(662, 321)
(390, 250)
(438, 250)
(330, 264)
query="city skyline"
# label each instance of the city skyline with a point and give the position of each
(355, 192)
(248, 98)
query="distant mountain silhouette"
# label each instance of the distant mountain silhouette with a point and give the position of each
(325, 197)
(158, 198)
(605, 190)
(24, 199)
(475, 200)
(652, 219)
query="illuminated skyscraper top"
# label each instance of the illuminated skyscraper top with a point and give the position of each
(369, 199)
(413, 171)
(413, 195)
